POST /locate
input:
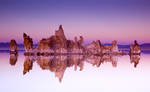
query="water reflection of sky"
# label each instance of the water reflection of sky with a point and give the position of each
(105, 78)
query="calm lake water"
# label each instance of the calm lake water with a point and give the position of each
(74, 74)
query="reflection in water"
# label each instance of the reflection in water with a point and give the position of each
(58, 63)
(28, 63)
(13, 59)
(135, 59)
(97, 60)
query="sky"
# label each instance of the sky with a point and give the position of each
(104, 20)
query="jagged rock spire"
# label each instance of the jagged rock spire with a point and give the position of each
(136, 43)
(28, 43)
(60, 33)
(60, 27)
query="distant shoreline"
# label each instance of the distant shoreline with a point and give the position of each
(21, 45)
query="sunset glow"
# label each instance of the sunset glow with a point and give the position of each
(105, 20)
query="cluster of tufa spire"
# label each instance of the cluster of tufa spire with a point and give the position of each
(58, 44)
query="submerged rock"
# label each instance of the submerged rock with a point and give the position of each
(13, 46)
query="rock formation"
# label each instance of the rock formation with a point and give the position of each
(110, 49)
(135, 48)
(58, 44)
(44, 46)
(92, 48)
(70, 46)
(60, 34)
(61, 40)
(98, 48)
(78, 46)
(13, 46)
(58, 41)
(28, 43)
(114, 47)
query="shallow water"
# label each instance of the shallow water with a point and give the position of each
(74, 73)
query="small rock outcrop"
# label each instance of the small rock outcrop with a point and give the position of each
(92, 48)
(78, 45)
(28, 43)
(13, 46)
(106, 49)
(111, 49)
(98, 48)
(43, 46)
(114, 48)
(135, 48)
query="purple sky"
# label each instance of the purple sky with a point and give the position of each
(106, 20)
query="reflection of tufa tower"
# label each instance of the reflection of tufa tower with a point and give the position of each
(28, 63)
(13, 59)
(135, 59)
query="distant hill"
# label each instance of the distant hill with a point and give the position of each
(145, 46)
(2, 44)
(119, 45)
(7, 44)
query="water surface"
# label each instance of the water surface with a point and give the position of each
(74, 74)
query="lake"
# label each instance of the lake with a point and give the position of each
(74, 73)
